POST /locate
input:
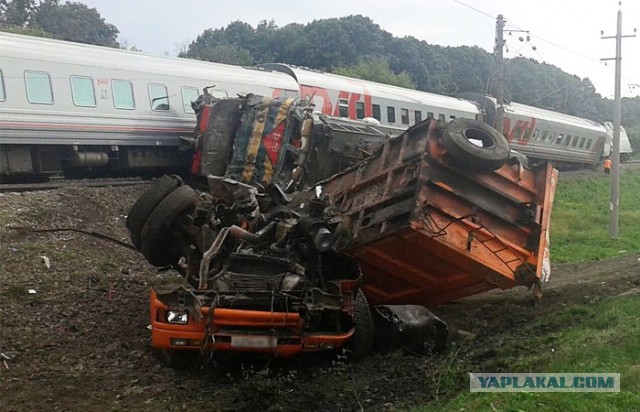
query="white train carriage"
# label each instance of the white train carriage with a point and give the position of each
(68, 106)
(625, 144)
(561, 138)
(342, 96)
(568, 141)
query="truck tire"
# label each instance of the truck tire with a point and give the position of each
(362, 341)
(158, 244)
(145, 204)
(457, 138)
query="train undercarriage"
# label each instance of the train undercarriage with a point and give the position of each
(28, 163)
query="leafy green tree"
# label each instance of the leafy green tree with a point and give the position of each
(228, 54)
(469, 68)
(25, 31)
(376, 69)
(236, 39)
(417, 58)
(74, 22)
(356, 46)
(68, 21)
(16, 13)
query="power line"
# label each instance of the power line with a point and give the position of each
(517, 27)
(474, 9)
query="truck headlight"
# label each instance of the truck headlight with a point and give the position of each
(180, 318)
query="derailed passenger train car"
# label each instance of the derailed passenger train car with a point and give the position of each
(256, 262)
(568, 141)
(69, 109)
(76, 109)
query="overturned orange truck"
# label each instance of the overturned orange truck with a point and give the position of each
(304, 233)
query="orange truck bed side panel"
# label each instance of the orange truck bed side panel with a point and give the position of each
(426, 232)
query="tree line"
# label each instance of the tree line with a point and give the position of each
(70, 21)
(353, 46)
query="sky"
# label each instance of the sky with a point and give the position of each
(564, 33)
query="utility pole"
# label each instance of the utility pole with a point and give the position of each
(499, 56)
(614, 202)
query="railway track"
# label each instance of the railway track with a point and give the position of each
(102, 182)
(56, 184)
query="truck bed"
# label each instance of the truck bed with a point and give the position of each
(427, 232)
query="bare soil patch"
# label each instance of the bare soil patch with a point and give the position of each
(74, 316)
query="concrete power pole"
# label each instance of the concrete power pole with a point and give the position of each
(498, 52)
(614, 202)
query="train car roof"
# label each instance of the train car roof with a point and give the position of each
(551, 116)
(331, 81)
(49, 50)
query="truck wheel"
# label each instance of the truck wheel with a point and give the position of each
(362, 340)
(145, 204)
(158, 243)
(475, 145)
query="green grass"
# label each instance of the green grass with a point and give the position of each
(580, 218)
(606, 339)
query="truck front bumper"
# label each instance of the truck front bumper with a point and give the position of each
(238, 330)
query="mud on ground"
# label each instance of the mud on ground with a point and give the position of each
(74, 316)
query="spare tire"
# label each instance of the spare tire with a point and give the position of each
(158, 243)
(145, 204)
(474, 145)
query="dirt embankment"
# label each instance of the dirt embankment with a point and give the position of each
(74, 316)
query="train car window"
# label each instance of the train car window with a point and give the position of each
(359, 110)
(536, 134)
(582, 140)
(418, 116)
(189, 94)
(3, 97)
(588, 144)
(430, 115)
(452, 117)
(404, 116)
(82, 91)
(559, 139)
(545, 135)
(291, 93)
(575, 140)
(222, 94)
(376, 112)
(123, 94)
(343, 105)
(517, 131)
(38, 87)
(391, 114)
(442, 117)
(159, 97)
